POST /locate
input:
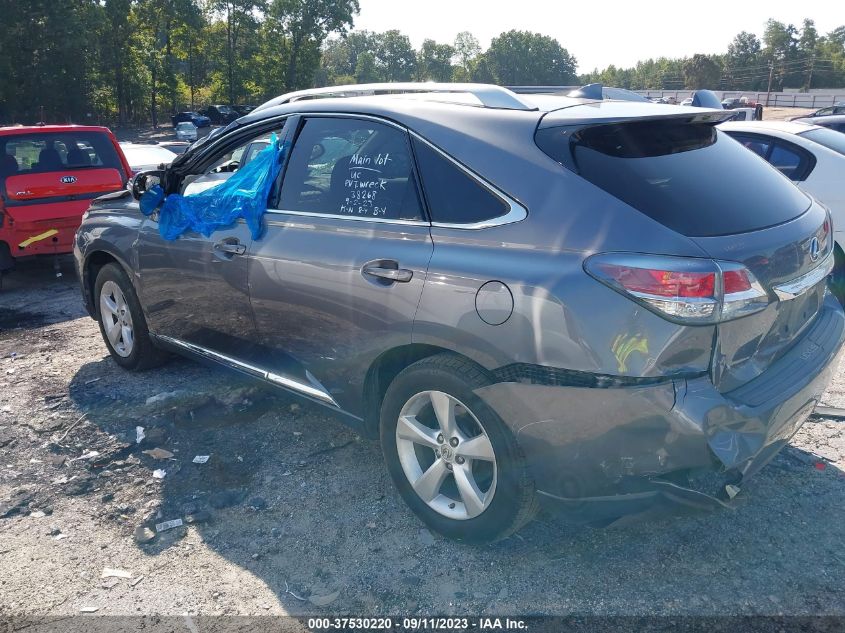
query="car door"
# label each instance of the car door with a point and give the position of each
(194, 288)
(337, 278)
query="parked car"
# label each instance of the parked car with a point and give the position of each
(812, 157)
(598, 91)
(731, 103)
(243, 109)
(504, 290)
(838, 108)
(834, 121)
(177, 147)
(186, 131)
(48, 176)
(220, 114)
(196, 118)
(687, 101)
(143, 157)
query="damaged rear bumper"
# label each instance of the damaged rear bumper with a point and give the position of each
(602, 453)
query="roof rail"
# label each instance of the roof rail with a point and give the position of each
(491, 96)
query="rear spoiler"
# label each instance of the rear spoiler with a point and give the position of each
(608, 115)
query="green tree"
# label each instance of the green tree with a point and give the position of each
(521, 57)
(434, 61)
(396, 56)
(305, 25)
(701, 71)
(467, 49)
(239, 17)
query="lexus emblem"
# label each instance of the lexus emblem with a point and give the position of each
(68, 180)
(814, 248)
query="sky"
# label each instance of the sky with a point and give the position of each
(598, 33)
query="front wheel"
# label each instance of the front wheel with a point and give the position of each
(453, 460)
(122, 322)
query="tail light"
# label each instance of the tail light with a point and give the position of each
(681, 289)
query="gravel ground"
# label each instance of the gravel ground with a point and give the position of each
(294, 514)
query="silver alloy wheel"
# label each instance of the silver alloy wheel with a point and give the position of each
(117, 319)
(446, 455)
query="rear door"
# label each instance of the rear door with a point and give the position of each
(337, 278)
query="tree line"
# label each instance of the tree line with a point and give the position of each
(786, 57)
(136, 61)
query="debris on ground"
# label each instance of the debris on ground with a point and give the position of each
(159, 473)
(168, 525)
(110, 572)
(201, 459)
(158, 453)
(161, 397)
(139, 434)
(143, 534)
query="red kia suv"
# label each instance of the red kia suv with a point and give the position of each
(48, 176)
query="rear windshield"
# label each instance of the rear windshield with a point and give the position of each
(831, 139)
(56, 151)
(689, 177)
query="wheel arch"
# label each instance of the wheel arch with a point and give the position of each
(93, 263)
(386, 367)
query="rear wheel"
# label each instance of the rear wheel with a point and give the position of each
(122, 322)
(453, 460)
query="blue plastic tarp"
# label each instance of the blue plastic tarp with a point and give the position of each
(244, 195)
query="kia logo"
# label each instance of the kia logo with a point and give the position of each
(814, 248)
(68, 180)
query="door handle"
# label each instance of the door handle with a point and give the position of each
(233, 248)
(402, 275)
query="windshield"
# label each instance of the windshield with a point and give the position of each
(831, 139)
(185, 126)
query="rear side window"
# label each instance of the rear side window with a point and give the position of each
(453, 196)
(59, 151)
(351, 168)
(792, 161)
(689, 177)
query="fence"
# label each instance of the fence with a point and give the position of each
(776, 99)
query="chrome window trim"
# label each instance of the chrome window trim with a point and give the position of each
(799, 285)
(516, 211)
(334, 216)
(295, 385)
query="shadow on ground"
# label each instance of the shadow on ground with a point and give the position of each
(295, 497)
(60, 301)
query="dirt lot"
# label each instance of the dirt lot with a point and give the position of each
(293, 513)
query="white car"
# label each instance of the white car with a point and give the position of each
(811, 156)
(143, 157)
(186, 131)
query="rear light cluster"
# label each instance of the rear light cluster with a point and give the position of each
(681, 289)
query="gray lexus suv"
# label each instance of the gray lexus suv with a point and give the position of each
(604, 307)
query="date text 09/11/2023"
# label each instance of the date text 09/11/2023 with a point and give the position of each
(417, 624)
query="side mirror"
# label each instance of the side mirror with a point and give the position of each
(143, 181)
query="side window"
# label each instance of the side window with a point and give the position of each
(351, 167)
(227, 164)
(756, 144)
(824, 112)
(787, 161)
(453, 196)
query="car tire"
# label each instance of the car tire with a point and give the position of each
(122, 322)
(451, 483)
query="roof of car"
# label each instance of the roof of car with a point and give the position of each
(789, 127)
(819, 120)
(29, 129)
